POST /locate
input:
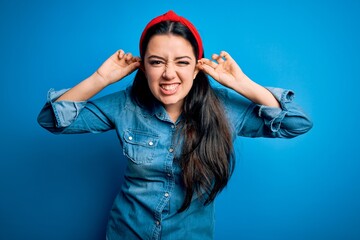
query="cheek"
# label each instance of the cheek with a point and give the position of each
(187, 76)
(152, 81)
(151, 76)
(151, 71)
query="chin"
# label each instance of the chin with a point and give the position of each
(169, 102)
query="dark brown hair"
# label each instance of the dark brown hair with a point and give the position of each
(207, 159)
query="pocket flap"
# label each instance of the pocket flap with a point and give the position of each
(140, 138)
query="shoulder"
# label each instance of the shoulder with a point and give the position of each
(115, 100)
(227, 95)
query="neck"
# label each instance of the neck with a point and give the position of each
(173, 111)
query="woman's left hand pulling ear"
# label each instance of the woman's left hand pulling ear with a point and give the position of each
(225, 70)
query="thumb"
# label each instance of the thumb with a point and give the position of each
(209, 70)
(132, 67)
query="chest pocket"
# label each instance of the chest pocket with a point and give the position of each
(139, 146)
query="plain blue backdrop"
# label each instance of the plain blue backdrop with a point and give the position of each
(62, 187)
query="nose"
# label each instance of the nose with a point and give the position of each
(169, 71)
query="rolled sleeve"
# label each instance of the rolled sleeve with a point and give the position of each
(70, 117)
(55, 116)
(253, 120)
(273, 116)
(65, 112)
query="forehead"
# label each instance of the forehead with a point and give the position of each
(169, 45)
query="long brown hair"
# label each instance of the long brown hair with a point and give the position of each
(207, 159)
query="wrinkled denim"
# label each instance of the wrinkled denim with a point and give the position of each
(152, 192)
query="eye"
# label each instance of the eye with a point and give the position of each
(183, 63)
(156, 62)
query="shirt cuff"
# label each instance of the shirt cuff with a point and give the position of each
(273, 116)
(65, 111)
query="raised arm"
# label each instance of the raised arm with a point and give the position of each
(271, 112)
(115, 68)
(228, 73)
(68, 111)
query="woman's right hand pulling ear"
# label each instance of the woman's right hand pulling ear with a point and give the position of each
(118, 66)
(115, 68)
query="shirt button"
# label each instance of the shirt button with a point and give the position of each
(157, 223)
(166, 194)
(171, 150)
(169, 174)
(151, 143)
(172, 126)
(130, 138)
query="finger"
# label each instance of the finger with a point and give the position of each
(128, 57)
(120, 54)
(209, 70)
(208, 62)
(217, 58)
(132, 67)
(226, 55)
(136, 59)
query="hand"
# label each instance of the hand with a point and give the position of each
(226, 71)
(118, 66)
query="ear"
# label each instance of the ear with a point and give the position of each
(196, 71)
(142, 67)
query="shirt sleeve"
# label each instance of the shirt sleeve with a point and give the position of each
(73, 117)
(252, 120)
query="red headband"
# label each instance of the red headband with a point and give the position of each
(172, 16)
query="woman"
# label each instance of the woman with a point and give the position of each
(175, 129)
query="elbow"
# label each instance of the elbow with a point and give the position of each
(309, 125)
(305, 125)
(45, 121)
(300, 128)
(48, 123)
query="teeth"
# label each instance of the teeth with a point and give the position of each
(169, 87)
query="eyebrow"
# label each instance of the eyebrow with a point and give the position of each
(177, 58)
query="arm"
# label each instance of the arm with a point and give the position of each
(252, 120)
(118, 66)
(270, 112)
(228, 73)
(68, 111)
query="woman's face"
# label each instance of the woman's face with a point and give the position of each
(170, 69)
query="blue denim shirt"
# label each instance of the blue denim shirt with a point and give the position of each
(152, 192)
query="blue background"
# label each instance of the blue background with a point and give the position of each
(62, 187)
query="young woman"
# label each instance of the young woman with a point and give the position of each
(175, 129)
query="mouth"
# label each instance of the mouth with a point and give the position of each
(169, 89)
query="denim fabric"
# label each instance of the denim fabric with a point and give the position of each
(152, 193)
